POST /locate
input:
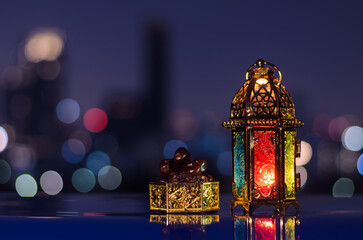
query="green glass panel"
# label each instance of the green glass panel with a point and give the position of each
(289, 164)
(239, 164)
(290, 228)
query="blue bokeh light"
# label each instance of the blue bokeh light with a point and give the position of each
(73, 151)
(360, 164)
(171, 146)
(96, 161)
(68, 110)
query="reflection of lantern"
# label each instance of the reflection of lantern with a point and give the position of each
(265, 228)
(264, 141)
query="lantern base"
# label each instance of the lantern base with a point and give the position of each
(280, 206)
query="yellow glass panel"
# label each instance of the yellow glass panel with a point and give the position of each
(289, 164)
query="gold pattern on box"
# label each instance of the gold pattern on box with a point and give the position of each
(184, 197)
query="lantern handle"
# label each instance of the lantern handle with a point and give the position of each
(262, 63)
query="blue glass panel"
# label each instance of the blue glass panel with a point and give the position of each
(240, 229)
(239, 164)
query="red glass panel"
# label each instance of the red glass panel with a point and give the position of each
(265, 228)
(264, 161)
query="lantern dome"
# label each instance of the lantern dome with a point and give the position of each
(262, 100)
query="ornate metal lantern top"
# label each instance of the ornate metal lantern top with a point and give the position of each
(262, 100)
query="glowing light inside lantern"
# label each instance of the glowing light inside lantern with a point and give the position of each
(264, 153)
(261, 81)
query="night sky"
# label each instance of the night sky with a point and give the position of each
(316, 44)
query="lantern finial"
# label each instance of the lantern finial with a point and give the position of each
(260, 62)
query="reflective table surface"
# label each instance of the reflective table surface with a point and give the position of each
(126, 216)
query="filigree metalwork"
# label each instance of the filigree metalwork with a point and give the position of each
(287, 108)
(262, 100)
(184, 197)
(210, 195)
(238, 123)
(269, 100)
(157, 196)
(238, 103)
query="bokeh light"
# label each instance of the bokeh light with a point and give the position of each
(352, 138)
(3, 139)
(10, 130)
(46, 45)
(171, 146)
(336, 128)
(303, 174)
(183, 124)
(26, 186)
(95, 120)
(68, 110)
(109, 177)
(224, 163)
(5, 171)
(106, 143)
(73, 151)
(343, 188)
(360, 164)
(22, 157)
(83, 180)
(306, 153)
(51, 182)
(97, 160)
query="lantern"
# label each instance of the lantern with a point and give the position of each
(264, 143)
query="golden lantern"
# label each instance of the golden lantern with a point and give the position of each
(264, 143)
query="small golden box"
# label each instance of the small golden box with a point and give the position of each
(184, 197)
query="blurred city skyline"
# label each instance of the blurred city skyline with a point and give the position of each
(106, 64)
(315, 45)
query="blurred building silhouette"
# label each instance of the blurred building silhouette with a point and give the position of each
(138, 120)
(32, 89)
